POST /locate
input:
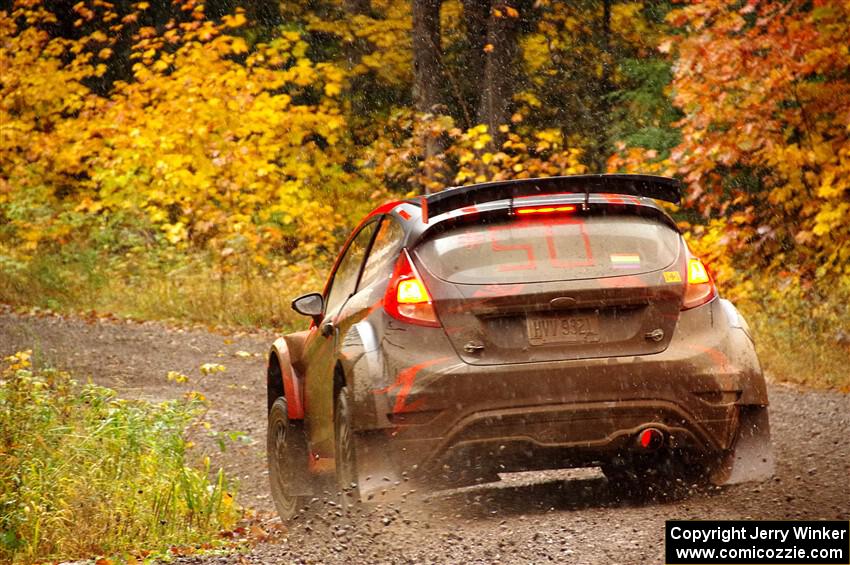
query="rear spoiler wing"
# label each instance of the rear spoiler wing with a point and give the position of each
(649, 186)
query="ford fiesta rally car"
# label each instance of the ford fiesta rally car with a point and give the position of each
(511, 326)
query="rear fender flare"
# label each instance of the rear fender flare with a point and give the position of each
(292, 383)
(734, 317)
(740, 350)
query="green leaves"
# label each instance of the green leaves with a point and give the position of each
(85, 473)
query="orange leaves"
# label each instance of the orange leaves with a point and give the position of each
(505, 12)
(766, 103)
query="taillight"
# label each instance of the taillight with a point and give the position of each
(407, 298)
(699, 288)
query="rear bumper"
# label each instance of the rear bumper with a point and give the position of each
(435, 412)
(543, 437)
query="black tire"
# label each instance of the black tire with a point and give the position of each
(285, 452)
(344, 453)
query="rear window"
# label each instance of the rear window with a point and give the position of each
(550, 249)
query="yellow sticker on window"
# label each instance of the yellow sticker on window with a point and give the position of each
(672, 276)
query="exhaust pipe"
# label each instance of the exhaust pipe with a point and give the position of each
(650, 439)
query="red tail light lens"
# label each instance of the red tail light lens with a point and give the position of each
(699, 288)
(407, 299)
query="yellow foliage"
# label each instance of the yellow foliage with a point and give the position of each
(212, 153)
(469, 156)
(766, 126)
(380, 43)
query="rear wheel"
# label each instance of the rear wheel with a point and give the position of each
(285, 453)
(344, 455)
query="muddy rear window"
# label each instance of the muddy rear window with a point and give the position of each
(550, 249)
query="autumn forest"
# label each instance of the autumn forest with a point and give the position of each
(202, 161)
(174, 172)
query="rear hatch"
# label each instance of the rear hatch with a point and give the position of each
(553, 287)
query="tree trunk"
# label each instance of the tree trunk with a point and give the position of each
(475, 17)
(606, 41)
(599, 153)
(500, 68)
(426, 55)
(428, 75)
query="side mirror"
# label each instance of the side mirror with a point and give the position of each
(311, 304)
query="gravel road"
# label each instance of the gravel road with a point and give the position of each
(547, 517)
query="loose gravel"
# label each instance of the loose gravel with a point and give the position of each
(544, 517)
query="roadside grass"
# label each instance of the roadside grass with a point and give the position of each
(151, 287)
(85, 474)
(803, 334)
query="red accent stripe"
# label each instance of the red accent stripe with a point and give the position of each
(384, 208)
(292, 389)
(404, 382)
(613, 198)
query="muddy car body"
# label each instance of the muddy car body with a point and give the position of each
(541, 323)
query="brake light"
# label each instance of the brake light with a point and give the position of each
(545, 210)
(699, 288)
(407, 299)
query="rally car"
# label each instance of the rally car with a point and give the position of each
(511, 326)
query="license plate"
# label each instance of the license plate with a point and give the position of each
(545, 330)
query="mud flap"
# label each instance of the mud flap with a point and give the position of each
(751, 458)
(302, 482)
(378, 478)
